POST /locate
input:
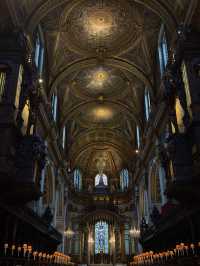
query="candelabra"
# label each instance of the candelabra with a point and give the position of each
(181, 250)
(135, 232)
(26, 252)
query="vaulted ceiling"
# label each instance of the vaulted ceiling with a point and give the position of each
(101, 55)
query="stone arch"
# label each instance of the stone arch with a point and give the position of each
(160, 8)
(131, 112)
(110, 61)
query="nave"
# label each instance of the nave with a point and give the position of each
(99, 132)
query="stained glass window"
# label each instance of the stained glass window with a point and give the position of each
(64, 137)
(77, 179)
(54, 105)
(147, 103)
(101, 237)
(101, 179)
(124, 179)
(39, 52)
(138, 136)
(163, 52)
(2, 84)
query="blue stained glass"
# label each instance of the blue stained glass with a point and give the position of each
(124, 179)
(101, 237)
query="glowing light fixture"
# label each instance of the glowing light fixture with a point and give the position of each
(102, 113)
(98, 78)
(99, 23)
(40, 80)
(69, 233)
(137, 151)
(135, 232)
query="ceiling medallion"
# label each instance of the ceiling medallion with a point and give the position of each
(100, 81)
(98, 23)
(98, 78)
(102, 113)
(96, 27)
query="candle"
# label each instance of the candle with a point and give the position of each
(25, 249)
(44, 256)
(5, 248)
(186, 249)
(192, 247)
(40, 255)
(182, 248)
(12, 248)
(35, 254)
(29, 251)
(18, 251)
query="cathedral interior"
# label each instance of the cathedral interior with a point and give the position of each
(99, 132)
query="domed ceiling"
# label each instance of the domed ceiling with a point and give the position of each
(104, 100)
(101, 55)
(100, 81)
(96, 26)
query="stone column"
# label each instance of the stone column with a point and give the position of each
(80, 245)
(122, 242)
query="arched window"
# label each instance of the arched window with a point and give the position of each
(64, 137)
(138, 136)
(124, 179)
(162, 50)
(147, 103)
(25, 116)
(54, 105)
(2, 83)
(77, 179)
(39, 51)
(19, 86)
(101, 237)
(186, 87)
(101, 179)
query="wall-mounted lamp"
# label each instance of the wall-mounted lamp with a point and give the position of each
(69, 233)
(135, 232)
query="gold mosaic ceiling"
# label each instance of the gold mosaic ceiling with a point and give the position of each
(97, 26)
(101, 54)
(102, 97)
(99, 82)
